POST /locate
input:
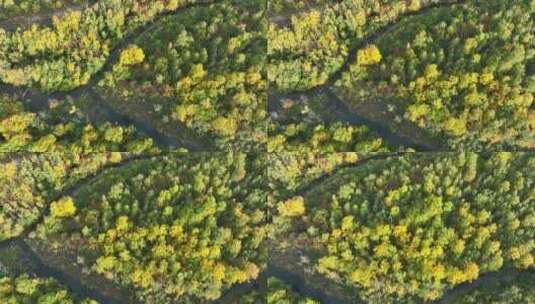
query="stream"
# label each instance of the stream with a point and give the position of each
(281, 266)
(338, 108)
(38, 101)
(39, 263)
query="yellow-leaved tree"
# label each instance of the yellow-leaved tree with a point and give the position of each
(292, 207)
(63, 207)
(133, 54)
(368, 56)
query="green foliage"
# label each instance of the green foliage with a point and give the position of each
(65, 55)
(316, 43)
(291, 171)
(280, 293)
(24, 289)
(413, 226)
(458, 73)
(62, 129)
(205, 69)
(28, 183)
(171, 227)
(516, 290)
(283, 6)
(298, 129)
(16, 8)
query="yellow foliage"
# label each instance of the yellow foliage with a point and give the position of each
(362, 276)
(63, 207)
(219, 272)
(368, 56)
(439, 272)
(141, 278)
(177, 231)
(382, 250)
(414, 5)
(526, 261)
(486, 78)
(431, 71)
(9, 169)
(455, 277)
(225, 126)
(514, 253)
(455, 126)
(252, 270)
(106, 263)
(122, 223)
(432, 295)
(347, 223)
(401, 233)
(471, 271)
(131, 55)
(336, 233)
(16, 124)
(326, 263)
(15, 76)
(115, 157)
(313, 19)
(292, 207)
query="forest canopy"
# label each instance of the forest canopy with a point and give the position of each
(412, 227)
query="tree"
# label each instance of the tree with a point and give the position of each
(369, 56)
(131, 55)
(292, 207)
(64, 207)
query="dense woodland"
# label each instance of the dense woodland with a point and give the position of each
(62, 128)
(205, 77)
(465, 72)
(66, 54)
(198, 223)
(291, 171)
(204, 68)
(285, 6)
(16, 8)
(24, 290)
(109, 110)
(412, 227)
(317, 42)
(29, 181)
(170, 227)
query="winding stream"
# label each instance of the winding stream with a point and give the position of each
(73, 189)
(36, 100)
(339, 109)
(37, 260)
(281, 266)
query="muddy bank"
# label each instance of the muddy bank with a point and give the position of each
(341, 112)
(173, 134)
(29, 262)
